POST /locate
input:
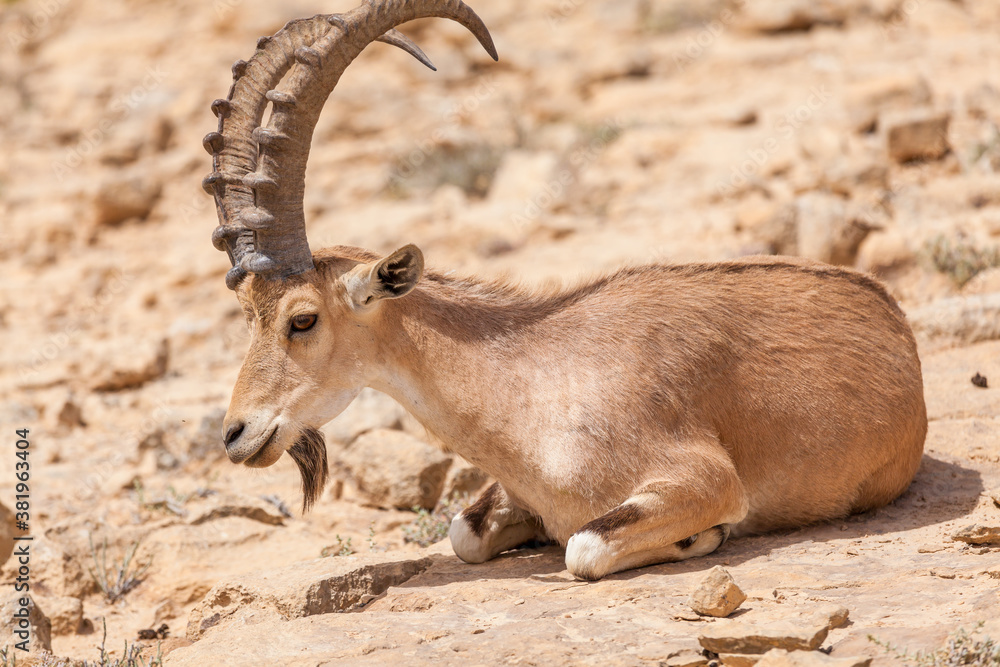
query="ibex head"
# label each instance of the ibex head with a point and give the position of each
(306, 358)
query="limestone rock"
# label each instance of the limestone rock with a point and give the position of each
(247, 507)
(868, 98)
(125, 196)
(818, 217)
(394, 469)
(143, 132)
(65, 614)
(777, 229)
(917, 136)
(769, 16)
(369, 411)
(54, 572)
(757, 638)
(781, 658)
(966, 319)
(717, 594)
(464, 479)
(825, 232)
(133, 368)
(738, 660)
(978, 534)
(833, 615)
(6, 533)
(19, 613)
(206, 442)
(984, 282)
(303, 589)
(885, 251)
(686, 659)
(70, 415)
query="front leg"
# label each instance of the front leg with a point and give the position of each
(663, 521)
(490, 526)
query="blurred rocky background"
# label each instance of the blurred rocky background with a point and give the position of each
(858, 132)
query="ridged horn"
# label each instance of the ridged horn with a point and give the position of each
(258, 175)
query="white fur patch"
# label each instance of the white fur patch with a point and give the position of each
(588, 556)
(466, 544)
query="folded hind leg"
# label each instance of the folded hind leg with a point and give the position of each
(490, 526)
(662, 521)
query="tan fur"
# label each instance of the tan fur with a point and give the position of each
(755, 394)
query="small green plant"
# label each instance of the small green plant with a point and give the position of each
(371, 537)
(962, 648)
(173, 502)
(123, 574)
(342, 548)
(960, 258)
(132, 657)
(279, 504)
(431, 527)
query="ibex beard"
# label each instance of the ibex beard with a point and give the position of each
(638, 418)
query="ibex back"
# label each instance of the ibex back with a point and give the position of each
(636, 419)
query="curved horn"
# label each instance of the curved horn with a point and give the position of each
(259, 173)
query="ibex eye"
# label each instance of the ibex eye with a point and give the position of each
(303, 322)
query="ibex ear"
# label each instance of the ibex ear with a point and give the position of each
(389, 278)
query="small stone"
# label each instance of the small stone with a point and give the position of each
(943, 572)
(753, 638)
(979, 380)
(833, 615)
(884, 251)
(825, 231)
(464, 479)
(686, 659)
(70, 414)
(124, 197)
(782, 658)
(688, 616)
(995, 496)
(738, 660)
(978, 534)
(65, 614)
(134, 370)
(717, 594)
(931, 549)
(919, 136)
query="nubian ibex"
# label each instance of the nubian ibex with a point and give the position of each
(638, 418)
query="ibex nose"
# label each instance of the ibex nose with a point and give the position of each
(233, 433)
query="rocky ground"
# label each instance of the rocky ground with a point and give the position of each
(859, 132)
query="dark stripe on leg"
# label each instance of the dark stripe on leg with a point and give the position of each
(476, 513)
(619, 517)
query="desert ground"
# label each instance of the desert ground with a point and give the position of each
(858, 132)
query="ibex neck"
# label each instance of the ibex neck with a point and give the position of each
(458, 356)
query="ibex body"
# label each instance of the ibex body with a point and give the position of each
(635, 419)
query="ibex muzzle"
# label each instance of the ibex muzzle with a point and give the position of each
(639, 418)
